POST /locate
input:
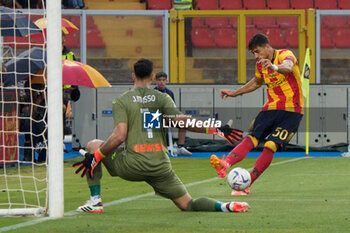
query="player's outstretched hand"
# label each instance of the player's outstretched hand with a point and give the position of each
(227, 93)
(231, 135)
(88, 164)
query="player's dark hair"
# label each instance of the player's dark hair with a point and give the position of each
(143, 68)
(161, 74)
(258, 40)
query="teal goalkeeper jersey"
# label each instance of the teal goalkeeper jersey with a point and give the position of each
(145, 149)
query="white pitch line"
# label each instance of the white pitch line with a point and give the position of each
(268, 200)
(323, 200)
(120, 201)
(291, 160)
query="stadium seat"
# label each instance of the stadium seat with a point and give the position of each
(198, 22)
(158, 4)
(249, 22)
(278, 4)
(326, 38)
(225, 38)
(76, 20)
(202, 38)
(254, 4)
(216, 22)
(249, 33)
(325, 4)
(231, 4)
(94, 39)
(287, 21)
(301, 4)
(333, 21)
(341, 37)
(343, 4)
(72, 40)
(232, 22)
(264, 21)
(292, 37)
(275, 36)
(207, 5)
(90, 22)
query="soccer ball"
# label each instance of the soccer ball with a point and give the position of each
(238, 179)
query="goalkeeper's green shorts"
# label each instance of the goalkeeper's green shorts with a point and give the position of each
(166, 184)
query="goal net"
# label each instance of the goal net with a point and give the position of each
(23, 111)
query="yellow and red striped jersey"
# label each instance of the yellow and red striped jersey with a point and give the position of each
(283, 90)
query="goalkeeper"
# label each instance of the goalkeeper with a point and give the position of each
(145, 157)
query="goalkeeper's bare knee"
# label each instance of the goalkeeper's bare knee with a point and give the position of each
(93, 145)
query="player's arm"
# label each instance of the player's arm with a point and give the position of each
(250, 86)
(117, 137)
(170, 109)
(91, 160)
(285, 67)
(120, 130)
(229, 134)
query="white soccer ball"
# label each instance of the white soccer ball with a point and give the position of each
(238, 179)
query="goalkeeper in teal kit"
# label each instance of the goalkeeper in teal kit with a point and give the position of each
(145, 156)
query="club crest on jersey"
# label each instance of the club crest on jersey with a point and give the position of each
(151, 120)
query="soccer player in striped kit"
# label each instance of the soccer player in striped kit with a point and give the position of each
(280, 116)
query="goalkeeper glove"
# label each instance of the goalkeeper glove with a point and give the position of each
(229, 134)
(89, 163)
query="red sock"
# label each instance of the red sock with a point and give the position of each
(261, 163)
(241, 151)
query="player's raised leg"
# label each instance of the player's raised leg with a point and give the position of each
(235, 156)
(260, 165)
(264, 160)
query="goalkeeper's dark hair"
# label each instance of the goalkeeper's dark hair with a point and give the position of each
(143, 68)
(258, 40)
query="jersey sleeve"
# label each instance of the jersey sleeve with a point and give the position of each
(119, 112)
(169, 106)
(287, 55)
(258, 71)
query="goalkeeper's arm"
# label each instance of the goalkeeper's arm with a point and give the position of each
(117, 137)
(91, 160)
(229, 134)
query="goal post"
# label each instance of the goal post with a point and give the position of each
(55, 111)
(31, 110)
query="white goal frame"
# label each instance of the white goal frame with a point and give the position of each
(55, 124)
(55, 112)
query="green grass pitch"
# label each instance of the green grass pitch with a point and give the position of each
(303, 195)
